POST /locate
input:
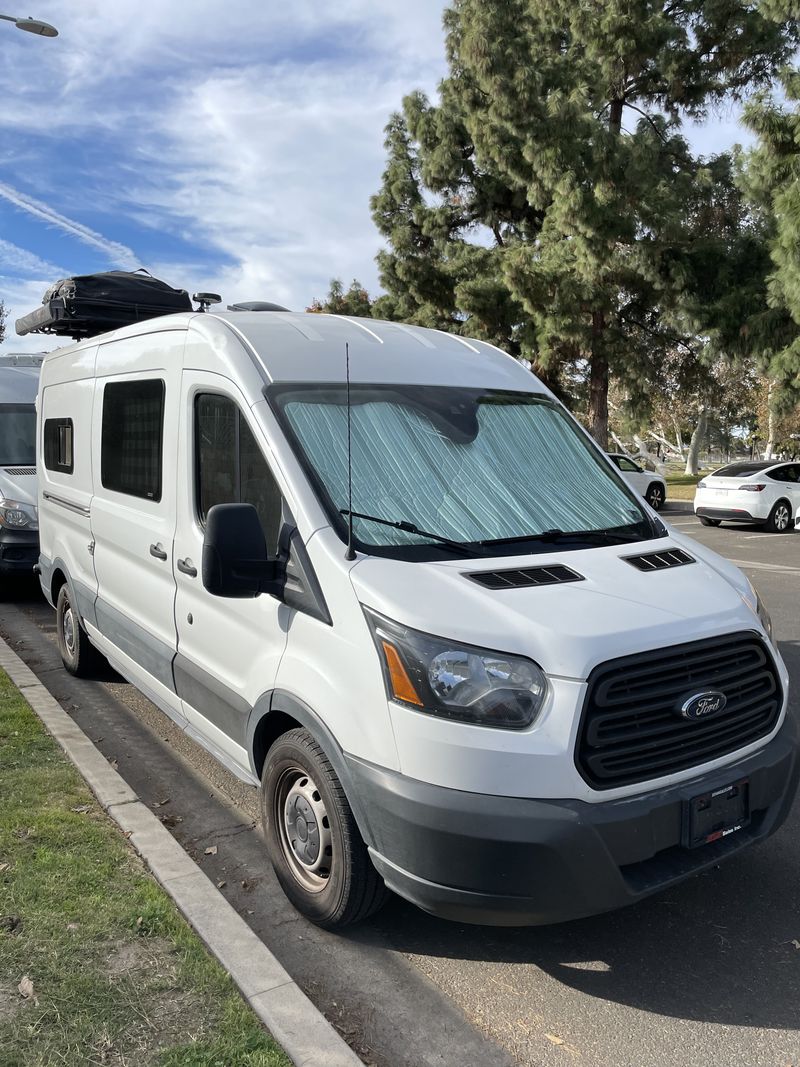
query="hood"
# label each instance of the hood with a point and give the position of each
(18, 486)
(568, 628)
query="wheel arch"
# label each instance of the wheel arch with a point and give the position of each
(277, 712)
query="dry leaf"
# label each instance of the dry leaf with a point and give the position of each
(221, 884)
(25, 988)
(161, 803)
(114, 764)
(211, 850)
(82, 808)
(72, 926)
(794, 940)
(4, 867)
(171, 820)
(556, 1040)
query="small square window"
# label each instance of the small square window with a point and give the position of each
(58, 445)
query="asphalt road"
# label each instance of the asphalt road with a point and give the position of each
(708, 973)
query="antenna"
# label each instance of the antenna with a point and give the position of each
(350, 554)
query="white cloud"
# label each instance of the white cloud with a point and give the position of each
(118, 254)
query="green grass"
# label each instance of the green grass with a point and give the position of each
(119, 978)
(682, 486)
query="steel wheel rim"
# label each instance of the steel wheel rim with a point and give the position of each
(782, 517)
(68, 629)
(303, 829)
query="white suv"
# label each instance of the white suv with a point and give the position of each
(766, 493)
(651, 486)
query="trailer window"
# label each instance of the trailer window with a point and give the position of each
(58, 440)
(230, 466)
(132, 439)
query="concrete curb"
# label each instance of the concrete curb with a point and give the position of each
(305, 1034)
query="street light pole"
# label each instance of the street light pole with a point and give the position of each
(43, 29)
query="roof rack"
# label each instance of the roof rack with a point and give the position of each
(89, 304)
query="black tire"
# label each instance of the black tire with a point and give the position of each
(326, 874)
(780, 518)
(655, 496)
(78, 654)
(705, 521)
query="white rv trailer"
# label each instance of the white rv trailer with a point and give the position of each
(19, 525)
(416, 605)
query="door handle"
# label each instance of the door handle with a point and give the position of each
(185, 566)
(158, 551)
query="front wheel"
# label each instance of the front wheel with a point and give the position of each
(319, 856)
(655, 496)
(78, 654)
(779, 518)
(705, 521)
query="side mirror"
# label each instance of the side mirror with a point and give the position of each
(235, 560)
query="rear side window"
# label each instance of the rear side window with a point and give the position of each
(132, 439)
(230, 466)
(627, 465)
(739, 470)
(58, 444)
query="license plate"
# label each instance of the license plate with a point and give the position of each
(716, 815)
(720, 492)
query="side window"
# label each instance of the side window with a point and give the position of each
(628, 465)
(230, 467)
(792, 474)
(779, 474)
(58, 439)
(132, 437)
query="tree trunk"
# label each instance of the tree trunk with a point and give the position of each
(770, 449)
(678, 438)
(598, 377)
(692, 465)
(598, 384)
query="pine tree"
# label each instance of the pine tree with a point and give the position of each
(542, 202)
(772, 179)
(356, 301)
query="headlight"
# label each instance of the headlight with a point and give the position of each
(754, 602)
(457, 681)
(15, 516)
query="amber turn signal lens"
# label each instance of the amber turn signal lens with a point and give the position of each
(402, 686)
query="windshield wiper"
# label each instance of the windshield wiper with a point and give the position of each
(410, 527)
(556, 536)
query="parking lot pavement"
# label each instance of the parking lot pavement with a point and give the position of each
(707, 973)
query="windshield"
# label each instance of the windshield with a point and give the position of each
(17, 435)
(471, 466)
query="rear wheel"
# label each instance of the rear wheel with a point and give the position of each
(655, 495)
(79, 655)
(780, 518)
(705, 521)
(312, 838)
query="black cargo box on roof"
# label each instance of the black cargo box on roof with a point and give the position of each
(89, 304)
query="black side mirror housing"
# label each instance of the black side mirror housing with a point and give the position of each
(235, 558)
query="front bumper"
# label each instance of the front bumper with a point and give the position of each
(507, 861)
(19, 550)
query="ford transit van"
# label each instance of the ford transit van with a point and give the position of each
(382, 574)
(19, 525)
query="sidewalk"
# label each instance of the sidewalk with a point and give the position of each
(96, 964)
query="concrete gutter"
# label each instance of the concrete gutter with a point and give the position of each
(305, 1034)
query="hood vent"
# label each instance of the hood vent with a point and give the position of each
(660, 561)
(20, 471)
(520, 579)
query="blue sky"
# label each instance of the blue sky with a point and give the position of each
(230, 148)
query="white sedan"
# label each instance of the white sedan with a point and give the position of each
(766, 493)
(651, 486)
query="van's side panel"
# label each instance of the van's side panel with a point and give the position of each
(67, 392)
(133, 534)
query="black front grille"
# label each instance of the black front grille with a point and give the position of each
(631, 730)
(519, 578)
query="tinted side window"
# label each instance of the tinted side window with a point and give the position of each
(58, 442)
(231, 467)
(779, 474)
(132, 440)
(628, 465)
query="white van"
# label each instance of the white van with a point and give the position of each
(512, 694)
(19, 524)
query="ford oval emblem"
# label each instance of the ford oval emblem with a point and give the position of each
(703, 705)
